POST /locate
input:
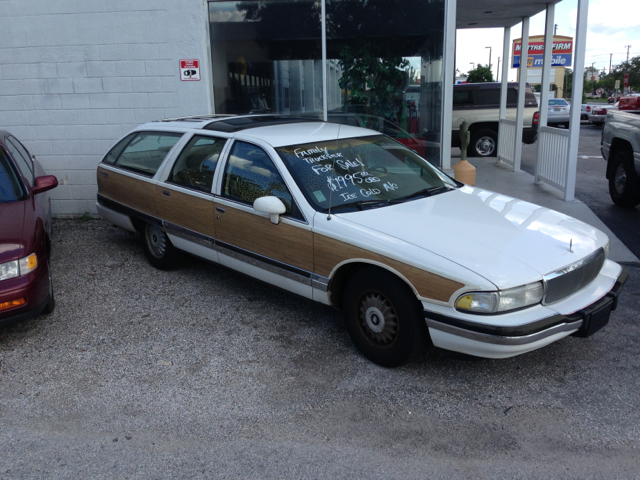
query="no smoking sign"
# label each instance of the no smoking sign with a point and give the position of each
(189, 70)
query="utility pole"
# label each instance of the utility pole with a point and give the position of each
(555, 29)
(489, 57)
(474, 65)
(627, 47)
(610, 57)
(498, 71)
(593, 76)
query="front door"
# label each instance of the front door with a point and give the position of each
(247, 241)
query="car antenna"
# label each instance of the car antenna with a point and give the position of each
(333, 166)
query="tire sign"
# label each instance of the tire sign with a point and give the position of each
(626, 80)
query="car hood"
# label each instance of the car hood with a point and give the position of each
(11, 233)
(507, 241)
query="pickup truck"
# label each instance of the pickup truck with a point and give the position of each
(621, 150)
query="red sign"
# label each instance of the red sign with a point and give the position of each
(537, 48)
(626, 80)
(190, 70)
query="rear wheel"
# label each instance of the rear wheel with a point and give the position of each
(383, 317)
(484, 143)
(624, 187)
(158, 248)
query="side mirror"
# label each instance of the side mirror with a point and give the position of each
(271, 205)
(44, 183)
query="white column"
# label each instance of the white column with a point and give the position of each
(576, 100)
(323, 15)
(506, 48)
(448, 79)
(524, 53)
(545, 80)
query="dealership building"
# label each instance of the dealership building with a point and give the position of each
(76, 75)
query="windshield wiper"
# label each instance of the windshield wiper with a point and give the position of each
(426, 192)
(361, 204)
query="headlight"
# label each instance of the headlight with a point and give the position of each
(9, 270)
(501, 301)
(18, 267)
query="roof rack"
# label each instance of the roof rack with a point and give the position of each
(239, 123)
(195, 118)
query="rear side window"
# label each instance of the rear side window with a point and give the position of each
(146, 151)
(487, 97)
(196, 165)
(462, 98)
(22, 158)
(115, 152)
(11, 188)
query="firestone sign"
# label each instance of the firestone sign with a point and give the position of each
(560, 55)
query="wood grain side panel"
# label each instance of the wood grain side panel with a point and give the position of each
(285, 243)
(129, 191)
(188, 211)
(330, 252)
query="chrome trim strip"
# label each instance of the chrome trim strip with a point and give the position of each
(320, 282)
(500, 340)
(255, 262)
(190, 235)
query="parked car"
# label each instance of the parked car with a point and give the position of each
(621, 150)
(25, 233)
(585, 111)
(349, 217)
(479, 105)
(599, 114)
(630, 102)
(558, 112)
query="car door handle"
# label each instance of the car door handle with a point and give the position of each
(220, 209)
(104, 174)
(166, 193)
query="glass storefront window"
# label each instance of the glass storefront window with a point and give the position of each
(384, 63)
(267, 56)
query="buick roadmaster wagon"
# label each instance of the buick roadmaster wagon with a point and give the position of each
(351, 218)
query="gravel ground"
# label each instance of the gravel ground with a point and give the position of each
(204, 373)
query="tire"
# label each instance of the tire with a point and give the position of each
(624, 186)
(384, 318)
(158, 248)
(51, 302)
(484, 143)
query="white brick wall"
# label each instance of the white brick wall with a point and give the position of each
(75, 75)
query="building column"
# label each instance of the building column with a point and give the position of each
(448, 80)
(576, 100)
(506, 48)
(524, 53)
(546, 76)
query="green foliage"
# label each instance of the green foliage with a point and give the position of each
(373, 77)
(482, 73)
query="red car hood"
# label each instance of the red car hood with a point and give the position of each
(11, 231)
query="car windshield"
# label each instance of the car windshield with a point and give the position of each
(557, 103)
(11, 188)
(358, 173)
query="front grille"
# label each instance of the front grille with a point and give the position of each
(568, 280)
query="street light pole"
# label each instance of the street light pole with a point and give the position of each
(498, 71)
(473, 65)
(627, 47)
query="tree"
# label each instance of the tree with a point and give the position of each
(480, 74)
(632, 67)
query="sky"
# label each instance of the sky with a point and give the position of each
(612, 25)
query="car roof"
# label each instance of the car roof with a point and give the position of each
(277, 130)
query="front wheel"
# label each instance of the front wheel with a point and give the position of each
(624, 187)
(383, 317)
(158, 248)
(484, 143)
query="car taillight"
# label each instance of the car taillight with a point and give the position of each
(536, 118)
(588, 109)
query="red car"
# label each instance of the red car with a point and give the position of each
(25, 233)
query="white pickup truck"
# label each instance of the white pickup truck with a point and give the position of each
(621, 150)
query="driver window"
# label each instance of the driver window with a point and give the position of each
(196, 164)
(251, 174)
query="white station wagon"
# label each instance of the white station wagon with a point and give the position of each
(351, 218)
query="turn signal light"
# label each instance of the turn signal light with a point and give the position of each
(12, 303)
(536, 118)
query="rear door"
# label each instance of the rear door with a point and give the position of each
(185, 199)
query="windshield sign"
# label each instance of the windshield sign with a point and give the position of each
(358, 173)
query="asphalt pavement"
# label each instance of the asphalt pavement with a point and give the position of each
(204, 373)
